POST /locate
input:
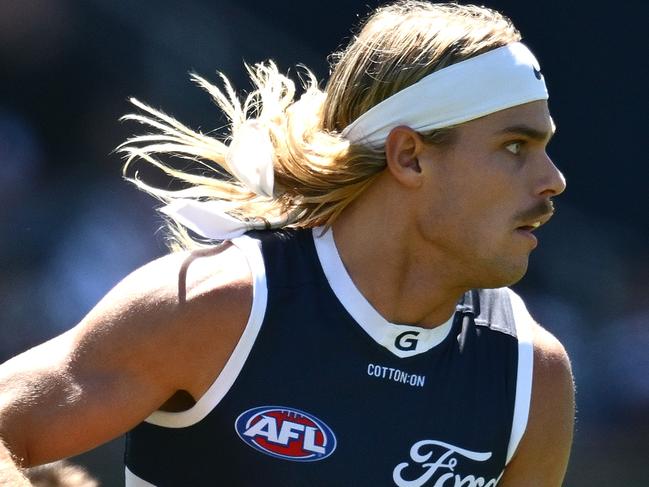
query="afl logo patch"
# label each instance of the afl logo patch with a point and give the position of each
(286, 433)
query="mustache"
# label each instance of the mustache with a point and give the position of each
(544, 208)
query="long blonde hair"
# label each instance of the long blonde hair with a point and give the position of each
(317, 172)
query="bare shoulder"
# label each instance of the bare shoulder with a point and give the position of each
(542, 456)
(550, 356)
(179, 282)
(169, 326)
(183, 313)
(169, 322)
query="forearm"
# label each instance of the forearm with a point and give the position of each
(10, 472)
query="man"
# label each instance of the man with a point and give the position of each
(367, 338)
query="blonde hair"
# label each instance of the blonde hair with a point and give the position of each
(317, 172)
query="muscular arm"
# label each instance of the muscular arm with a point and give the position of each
(139, 346)
(542, 456)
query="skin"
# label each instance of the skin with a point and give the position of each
(86, 386)
(455, 216)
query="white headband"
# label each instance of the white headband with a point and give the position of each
(498, 79)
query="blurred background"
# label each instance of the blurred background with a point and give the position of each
(71, 228)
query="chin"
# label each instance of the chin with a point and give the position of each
(502, 275)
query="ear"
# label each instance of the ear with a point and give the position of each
(402, 149)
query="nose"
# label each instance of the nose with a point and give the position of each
(551, 182)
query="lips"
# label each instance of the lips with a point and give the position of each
(534, 223)
(530, 228)
(526, 232)
(531, 225)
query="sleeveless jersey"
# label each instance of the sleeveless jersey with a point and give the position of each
(321, 390)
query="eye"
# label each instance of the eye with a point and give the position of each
(514, 147)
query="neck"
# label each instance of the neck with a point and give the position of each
(405, 279)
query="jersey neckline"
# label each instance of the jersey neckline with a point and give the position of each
(402, 340)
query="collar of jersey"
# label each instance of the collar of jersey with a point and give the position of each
(401, 340)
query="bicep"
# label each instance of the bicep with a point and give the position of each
(126, 358)
(55, 405)
(542, 456)
(98, 379)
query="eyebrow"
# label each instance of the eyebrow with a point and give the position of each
(530, 132)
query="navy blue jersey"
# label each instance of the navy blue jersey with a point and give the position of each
(322, 391)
